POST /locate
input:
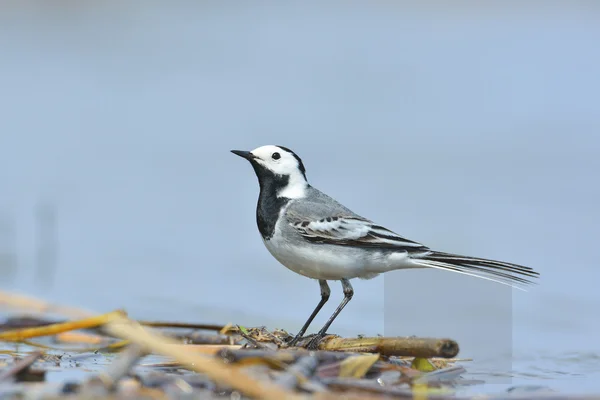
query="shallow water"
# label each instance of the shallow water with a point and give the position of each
(473, 130)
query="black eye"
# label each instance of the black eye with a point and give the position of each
(276, 156)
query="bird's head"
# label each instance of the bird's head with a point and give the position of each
(278, 164)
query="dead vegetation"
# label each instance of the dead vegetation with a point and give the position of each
(183, 360)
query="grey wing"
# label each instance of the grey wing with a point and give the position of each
(330, 223)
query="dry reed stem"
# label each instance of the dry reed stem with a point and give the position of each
(394, 346)
(47, 330)
(183, 325)
(125, 328)
(79, 337)
(214, 369)
(121, 366)
(19, 366)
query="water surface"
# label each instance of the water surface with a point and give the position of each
(471, 129)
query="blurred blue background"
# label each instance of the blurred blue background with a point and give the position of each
(472, 127)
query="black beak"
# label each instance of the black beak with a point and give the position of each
(244, 154)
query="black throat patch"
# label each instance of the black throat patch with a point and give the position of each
(269, 205)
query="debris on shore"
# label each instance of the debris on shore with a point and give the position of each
(152, 359)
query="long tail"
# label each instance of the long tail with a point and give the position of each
(496, 271)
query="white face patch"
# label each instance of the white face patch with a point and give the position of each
(281, 162)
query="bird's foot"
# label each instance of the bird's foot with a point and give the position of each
(294, 341)
(314, 342)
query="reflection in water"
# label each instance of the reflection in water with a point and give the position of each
(43, 244)
(46, 243)
(8, 249)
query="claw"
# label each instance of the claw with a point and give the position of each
(314, 343)
(294, 341)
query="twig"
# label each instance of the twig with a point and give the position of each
(79, 337)
(216, 370)
(206, 338)
(301, 369)
(27, 333)
(233, 355)
(122, 365)
(250, 339)
(183, 325)
(20, 366)
(395, 346)
(24, 322)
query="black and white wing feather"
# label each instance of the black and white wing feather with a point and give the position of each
(321, 219)
(352, 231)
(356, 232)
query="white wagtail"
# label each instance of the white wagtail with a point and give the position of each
(313, 235)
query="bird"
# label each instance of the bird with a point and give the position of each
(315, 236)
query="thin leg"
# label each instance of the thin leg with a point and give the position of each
(325, 292)
(348, 293)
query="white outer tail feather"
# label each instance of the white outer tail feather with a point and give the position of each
(495, 271)
(445, 267)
